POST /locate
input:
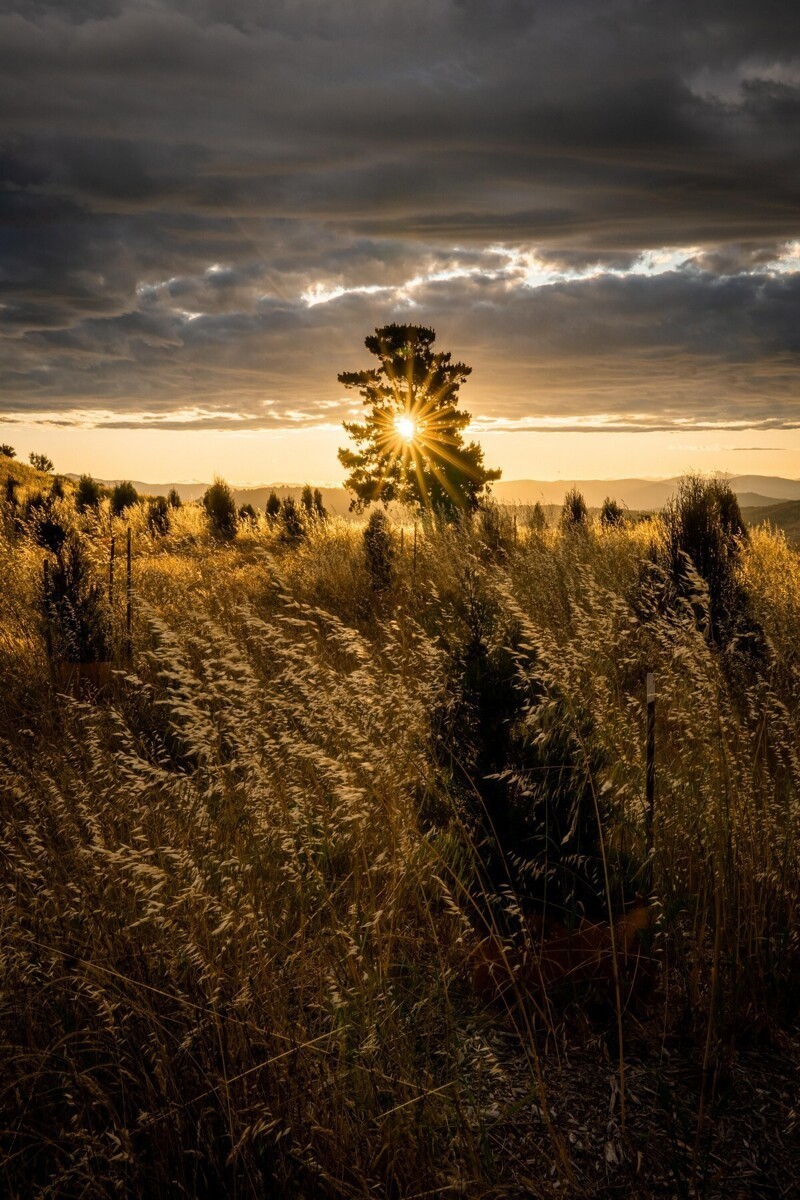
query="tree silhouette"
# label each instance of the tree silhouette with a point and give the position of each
(123, 495)
(220, 509)
(40, 461)
(410, 445)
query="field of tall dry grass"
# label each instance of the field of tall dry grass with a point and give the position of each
(241, 891)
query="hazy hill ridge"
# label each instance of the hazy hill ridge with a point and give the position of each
(638, 494)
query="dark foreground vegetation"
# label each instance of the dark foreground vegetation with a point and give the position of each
(254, 864)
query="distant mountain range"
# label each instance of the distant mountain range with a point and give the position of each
(641, 495)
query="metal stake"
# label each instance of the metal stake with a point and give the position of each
(650, 768)
(48, 633)
(129, 598)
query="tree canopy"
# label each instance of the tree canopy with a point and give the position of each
(410, 444)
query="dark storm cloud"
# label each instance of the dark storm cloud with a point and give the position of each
(177, 176)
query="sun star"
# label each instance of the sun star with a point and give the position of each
(406, 427)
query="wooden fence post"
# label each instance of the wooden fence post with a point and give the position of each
(650, 770)
(129, 600)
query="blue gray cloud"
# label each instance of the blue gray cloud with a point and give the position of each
(203, 204)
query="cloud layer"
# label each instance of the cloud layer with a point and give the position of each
(206, 205)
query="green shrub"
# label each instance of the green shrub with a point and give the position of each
(379, 551)
(526, 767)
(38, 515)
(158, 516)
(320, 512)
(220, 508)
(574, 513)
(537, 521)
(87, 494)
(496, 528)
(611, 513)
(123, 496)
(294, 529)
(705, 533)
(75, 607)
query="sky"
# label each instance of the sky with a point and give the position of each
(206, 205)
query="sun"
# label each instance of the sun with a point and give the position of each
(406, 426)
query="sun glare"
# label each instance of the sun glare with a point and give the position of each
(406, 426)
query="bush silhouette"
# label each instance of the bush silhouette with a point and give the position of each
(705, 531)
(273, 506)
(123, 495)
(320, 511)
(574, 513)
(87, 493)
(537, 521)
(38, 514)
(611, 513)
(220, 509)
(379, 551)
(173, 498)
(292, 521)
(40, 461)
(248, 513)
(7, 451)
(158, 516)
(74, 605)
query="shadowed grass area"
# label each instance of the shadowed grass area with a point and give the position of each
(239, 895)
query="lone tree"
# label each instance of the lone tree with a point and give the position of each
(87, 494)
(123, 496)
(410, 445)
(40, 461)
(220, 509)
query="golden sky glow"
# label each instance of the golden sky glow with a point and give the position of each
(294, 456)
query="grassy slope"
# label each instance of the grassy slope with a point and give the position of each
(234, 956)
(784, 515)
(27, 477)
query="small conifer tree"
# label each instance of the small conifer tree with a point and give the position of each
(87, 494)
(320, 512)
(123, 496)
(611, 513)
(158, 516)
(220, 508)
(379, 551)
(292, 521)
(574, 513)
(537, 521)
